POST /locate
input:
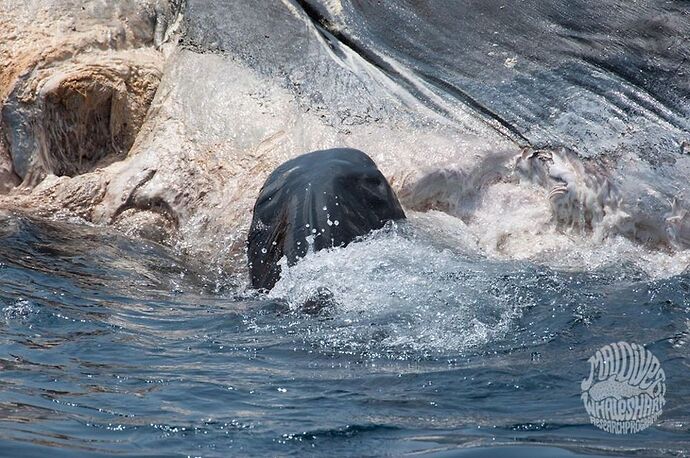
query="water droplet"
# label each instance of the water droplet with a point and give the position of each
(336, 222)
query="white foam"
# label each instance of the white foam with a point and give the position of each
(397, 292)
(19, 310)
(550, 208)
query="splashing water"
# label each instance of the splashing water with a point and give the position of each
(116, 346)
(394, 293)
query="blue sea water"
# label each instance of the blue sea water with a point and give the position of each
(110, 346)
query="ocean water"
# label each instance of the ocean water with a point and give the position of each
(115, 346)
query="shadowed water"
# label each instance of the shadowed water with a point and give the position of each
(114, 346)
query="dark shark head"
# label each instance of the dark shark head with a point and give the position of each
(318, 200)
